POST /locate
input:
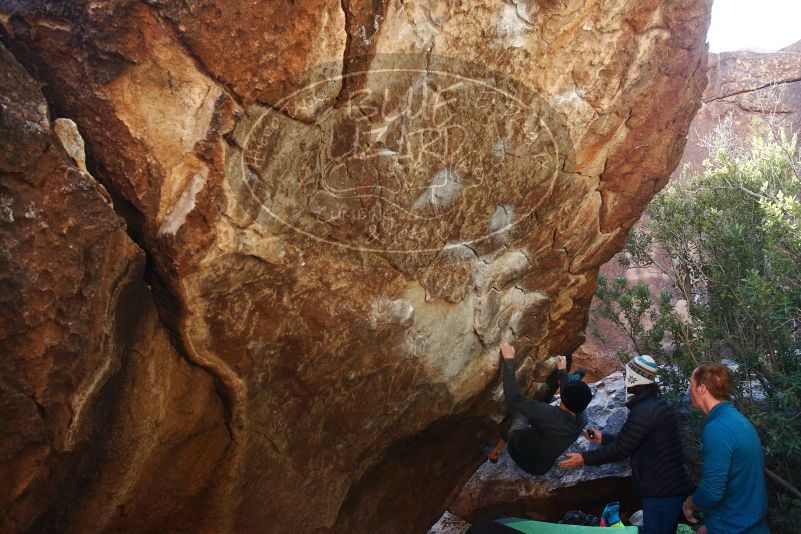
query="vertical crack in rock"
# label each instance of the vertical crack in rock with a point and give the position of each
(343, 91)
(230, 389)
(363, 23)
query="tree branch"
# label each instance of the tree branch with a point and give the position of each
(779, 481)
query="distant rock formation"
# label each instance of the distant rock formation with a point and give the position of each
(335, 211)
(745, 90)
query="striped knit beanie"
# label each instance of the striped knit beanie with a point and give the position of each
(641, 370)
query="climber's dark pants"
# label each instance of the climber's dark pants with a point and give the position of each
(517, 421)
(661, 515)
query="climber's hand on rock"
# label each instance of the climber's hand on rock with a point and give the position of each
(594, 435)
(572, 461)
(561, 362)
(507, 351)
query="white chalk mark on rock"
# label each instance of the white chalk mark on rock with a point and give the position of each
(501, 219)
(186, 203)
(500, 147)
(6, 213)
(443, 189)
(513, 28)
(386, 311)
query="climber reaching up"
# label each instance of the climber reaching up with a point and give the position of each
(540, 433)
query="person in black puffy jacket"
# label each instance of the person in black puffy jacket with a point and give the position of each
(650, 439)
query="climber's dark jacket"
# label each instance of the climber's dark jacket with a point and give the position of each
(552, 429)
(650, 437)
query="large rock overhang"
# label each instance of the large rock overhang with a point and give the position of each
(346, 206)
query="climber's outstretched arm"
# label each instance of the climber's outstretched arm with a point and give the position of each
(537, 412)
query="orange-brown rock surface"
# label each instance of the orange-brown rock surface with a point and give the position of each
(340, 208)
(102, 421)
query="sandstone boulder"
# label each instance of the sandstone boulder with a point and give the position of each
(345, 207)
(102, 422)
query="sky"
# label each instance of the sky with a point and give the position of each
(759, 25)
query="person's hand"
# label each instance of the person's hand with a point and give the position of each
(572, 461)
(689, 509)
(561, 362)
(701, 530)
(594, 435)
(507, 351)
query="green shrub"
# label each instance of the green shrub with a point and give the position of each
(729, 242)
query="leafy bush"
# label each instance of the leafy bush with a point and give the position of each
(729, 242)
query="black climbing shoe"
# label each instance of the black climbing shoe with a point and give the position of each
(576, 517)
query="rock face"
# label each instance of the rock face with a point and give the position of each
(101, 417)
(344, 208)
(505, 488)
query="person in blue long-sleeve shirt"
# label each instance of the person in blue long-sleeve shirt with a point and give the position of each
(732, 493)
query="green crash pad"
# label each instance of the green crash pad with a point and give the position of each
(538, 527)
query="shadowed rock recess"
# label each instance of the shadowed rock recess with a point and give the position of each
(269, 296)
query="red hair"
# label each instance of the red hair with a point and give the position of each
(717, 378)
